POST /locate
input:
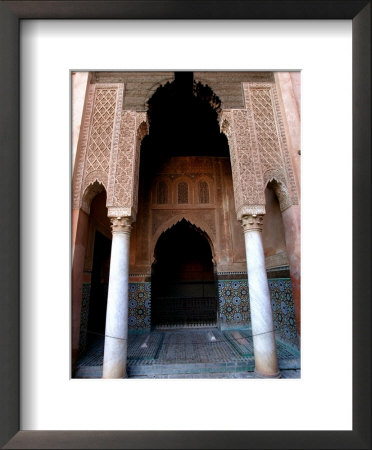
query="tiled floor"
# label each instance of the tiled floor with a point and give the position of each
(189, 353)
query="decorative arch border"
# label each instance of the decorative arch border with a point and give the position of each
(143, 127)
(150, 92)
(90, 190)
(225, 125)
(193, 219)
(281, 191)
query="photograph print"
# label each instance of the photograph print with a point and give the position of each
(185, 224)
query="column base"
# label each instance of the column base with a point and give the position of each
(264, 375)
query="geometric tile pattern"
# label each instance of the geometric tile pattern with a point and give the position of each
(144, 346)
(284, 316)
(139, 302)
(196, 346)
(233, 303)
(234, 308)
(186, 352)
(241, 341)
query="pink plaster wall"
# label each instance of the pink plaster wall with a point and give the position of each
(273, 230)
(81, 219)
(79, 81)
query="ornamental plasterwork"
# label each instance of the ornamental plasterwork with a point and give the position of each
(99, 137)
(252, 222)
(279, 186)
(200, 221)
(124, 170)
(263, 102)
(245, 161)
(205, 219)
(121, 225)
(198, 165)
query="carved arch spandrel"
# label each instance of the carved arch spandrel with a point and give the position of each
(150, 92)
(281, 191)
(193, 219)
(92, 188)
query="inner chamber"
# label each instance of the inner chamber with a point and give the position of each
(183, 284)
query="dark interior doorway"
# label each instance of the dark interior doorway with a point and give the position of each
(99, 286)
(183, 118)
(183, 282)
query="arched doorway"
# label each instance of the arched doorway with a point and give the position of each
(96, 271)
(183, 284)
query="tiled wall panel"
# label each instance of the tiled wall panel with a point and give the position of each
(234, 309)
(139, 314)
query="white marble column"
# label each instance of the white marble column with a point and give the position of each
(266, 361)
(116, 334)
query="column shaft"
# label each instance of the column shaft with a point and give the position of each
(116, 334)
(266, 361)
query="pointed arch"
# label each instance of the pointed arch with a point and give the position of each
(281, 191)
(193, 219)
(150, 92)
(92, 189)
(143, 127)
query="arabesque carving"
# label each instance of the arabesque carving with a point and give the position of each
(206, 218)
(192, 218)
(281, 192)
(100, 126)
(121, 225)
(90, 192)
(124, 171)
(258, 150)
(245, 160)
(262, 100)
(252, 222)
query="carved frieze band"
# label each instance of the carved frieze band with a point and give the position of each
(99, 137)
(204, 219)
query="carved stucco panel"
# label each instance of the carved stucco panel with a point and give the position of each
(284, 145)
(263, 104)
(125, 167)
(193, 217)
(82, 149)
(100, 126)
(207, 218)
(245, 161)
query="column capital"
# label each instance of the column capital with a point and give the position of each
(252, 222)
(121, 224)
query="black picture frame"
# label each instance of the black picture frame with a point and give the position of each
(11, 12)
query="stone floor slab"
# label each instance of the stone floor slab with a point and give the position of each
(189, 353)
